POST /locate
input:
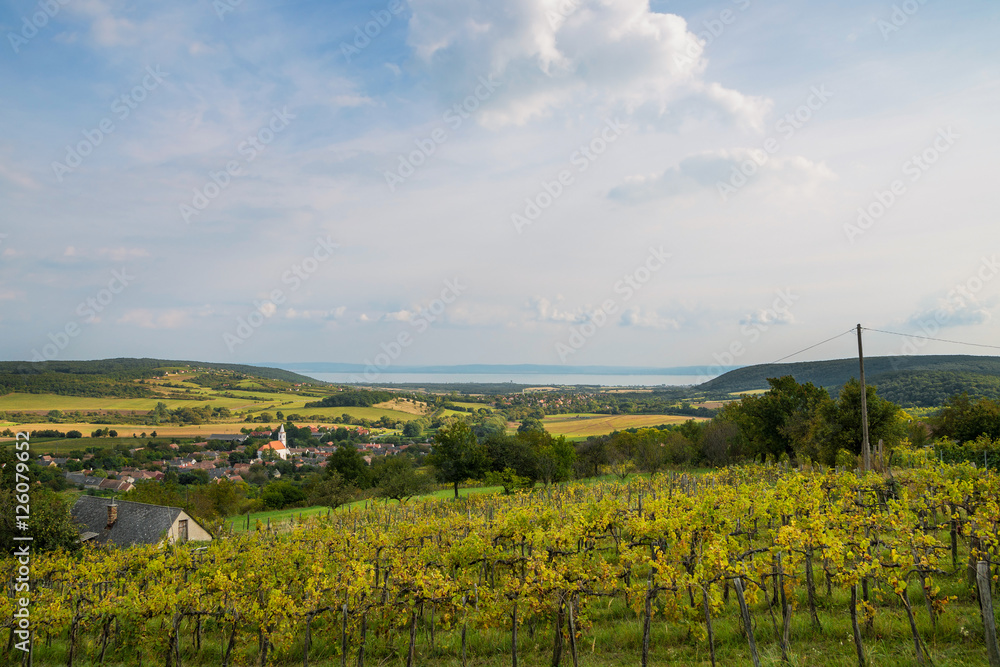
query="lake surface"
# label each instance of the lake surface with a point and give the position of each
(540, 379)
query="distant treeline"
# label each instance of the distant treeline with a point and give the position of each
(359, 398)
(67, 384)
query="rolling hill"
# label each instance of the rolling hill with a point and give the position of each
(922, 381)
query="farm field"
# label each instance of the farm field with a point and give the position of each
(373, 413)
(474, 406)
(404, 405)
(583, 425)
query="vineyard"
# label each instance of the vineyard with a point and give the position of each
(747, 565)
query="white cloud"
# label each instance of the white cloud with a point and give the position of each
(768, 317)
(616, 55)
(648, 319)
(106, 28)
(793, 175)
(333, 314)
(398, 316)
(541, 309)
(949, 313)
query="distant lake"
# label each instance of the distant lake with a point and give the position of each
(540, 379)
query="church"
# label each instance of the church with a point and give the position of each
(279, 446)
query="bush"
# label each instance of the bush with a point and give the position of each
(74, 434)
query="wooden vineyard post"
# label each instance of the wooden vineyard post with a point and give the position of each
(986, 606)
(413, 638)
(854, 626)
(572, 630)
(747, 623)
(557, 645)
(343, 637)
(708, 622)
(364, 635)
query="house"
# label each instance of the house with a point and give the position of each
(235, 437)
(116, 485)
(124, 523)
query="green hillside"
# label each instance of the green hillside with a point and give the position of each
(114, 377)
(922, 381)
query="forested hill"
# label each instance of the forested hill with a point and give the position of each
(908, 381)
(112, 377)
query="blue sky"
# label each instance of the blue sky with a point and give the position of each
(536, 181)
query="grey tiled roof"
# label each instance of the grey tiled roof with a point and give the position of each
(138, 523)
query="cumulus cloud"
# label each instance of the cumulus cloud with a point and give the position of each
(648, 319)
(946, 313)
(541, 309)
(106, 29)
(333, 314)
(615, 54)
(765, 317)
(704, 171)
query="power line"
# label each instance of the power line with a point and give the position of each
(812, 346)
(940, 340)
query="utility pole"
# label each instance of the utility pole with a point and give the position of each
(866, 450)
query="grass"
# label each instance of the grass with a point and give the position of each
(583, 425)
(285, 515)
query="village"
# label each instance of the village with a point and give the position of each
(221, 457)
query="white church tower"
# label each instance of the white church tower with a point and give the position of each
(282, 438)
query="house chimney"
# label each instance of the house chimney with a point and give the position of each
(112, 514)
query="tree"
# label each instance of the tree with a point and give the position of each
(555, 458)
(516, 453)
(963, 420)
(531, 424)
(347, 461)
(719, 441)
(397, 479)
(843, 421)
(330, 491)
(781, 421)
(51, 526)
(457, 456)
